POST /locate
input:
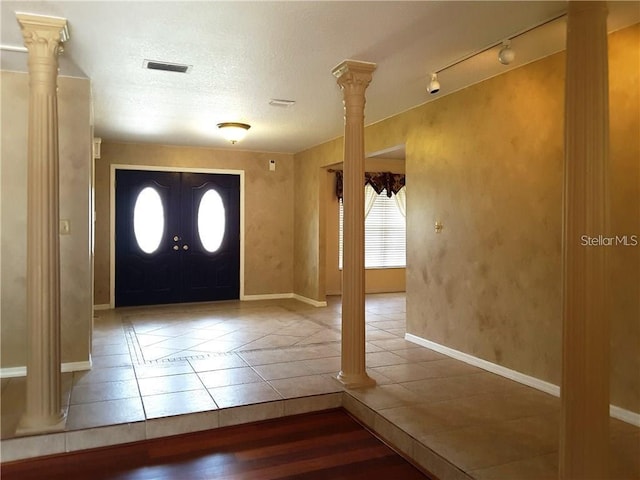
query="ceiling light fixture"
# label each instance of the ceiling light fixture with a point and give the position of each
(506, 55)
(434, 84)
(233, 131)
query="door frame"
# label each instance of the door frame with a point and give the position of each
(157, 168)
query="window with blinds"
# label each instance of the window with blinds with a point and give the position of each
(385, 235)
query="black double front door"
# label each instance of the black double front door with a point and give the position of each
(177, 237)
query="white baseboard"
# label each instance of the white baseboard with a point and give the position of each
(12, 372)
(267, 296)
(278, 296)
(103, 306)
(550, 388)
(310, 301)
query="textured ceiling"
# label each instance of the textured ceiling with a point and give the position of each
(245, 53)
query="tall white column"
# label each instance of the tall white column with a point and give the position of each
(584, 437)
(353, 78)
(43, 37)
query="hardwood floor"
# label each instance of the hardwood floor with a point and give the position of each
(325, 445)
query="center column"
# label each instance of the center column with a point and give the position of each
(353, 78)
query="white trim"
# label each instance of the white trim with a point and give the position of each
(103, 306)
(625, 415)
(266, 296)
(76, 366)
(310, 301)
(13, 372)
(278, 296)
(485, 365)
(550, 388)
(157, 168)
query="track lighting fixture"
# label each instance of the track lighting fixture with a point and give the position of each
(434, 84)
(506, 55)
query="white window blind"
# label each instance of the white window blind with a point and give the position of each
(385, 235)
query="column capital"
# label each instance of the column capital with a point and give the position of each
(354, 74)
(43, 35)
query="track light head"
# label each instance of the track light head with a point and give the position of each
(434, 84)
(506, 55)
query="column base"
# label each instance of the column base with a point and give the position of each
(30, 426)
(356, 380)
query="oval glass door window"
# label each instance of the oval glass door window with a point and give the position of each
(211, 221)
(148, 220)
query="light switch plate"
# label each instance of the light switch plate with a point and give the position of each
(65, 227)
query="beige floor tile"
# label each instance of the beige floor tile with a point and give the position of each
(245, 394)
(308, 385)
(404, 372)
(177, 403)
(419, 421)
(543, 467)
(420, 354)
(385, 396)
(374, 335)
(438, 389)
(394, 344)
(162, 369)
(321, 336)
(323, 365)
(99, 375)
(274, 371)
(217, 362)
(264, 357)
(105, 361)
(625, 455)
(229, 376)
(110, 412)
(479, 447)
(271, 341)
(100, 349)
(448, 368)
(169, 384)
(382, 358)
(96, 392)
(505, 406)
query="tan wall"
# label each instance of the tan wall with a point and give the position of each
(487, 162)
(74, 106)
(377, 280)
(268, 217)
(624, 83)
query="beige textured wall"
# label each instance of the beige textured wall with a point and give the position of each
(487, 162)
(624, 83)
(268, 217)
(376, 280)
(74, 104)
(310, 210)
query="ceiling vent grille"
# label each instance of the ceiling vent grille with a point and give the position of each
(166, 66)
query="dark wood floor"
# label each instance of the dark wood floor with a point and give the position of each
(325, 445)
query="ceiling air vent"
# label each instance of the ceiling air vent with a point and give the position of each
(166, 66)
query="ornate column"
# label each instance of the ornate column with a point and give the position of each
(584, 436)
(43, 37)
(353, 78)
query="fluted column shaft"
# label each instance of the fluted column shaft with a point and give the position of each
(353, 78)
(43, 37)
(585, 368)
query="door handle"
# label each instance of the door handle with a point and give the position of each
(185, 247)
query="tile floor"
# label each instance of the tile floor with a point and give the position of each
(159, 371)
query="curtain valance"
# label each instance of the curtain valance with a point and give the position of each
(379, 181)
